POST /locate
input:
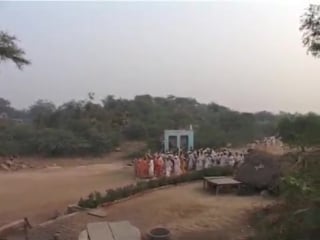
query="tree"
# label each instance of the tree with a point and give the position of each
(300, 130)
(9, 50)
(4, 105)
(40, 111)
(310, 26)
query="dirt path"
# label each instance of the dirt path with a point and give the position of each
(188, 211)
(37, 194)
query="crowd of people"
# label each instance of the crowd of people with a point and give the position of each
(168, 164)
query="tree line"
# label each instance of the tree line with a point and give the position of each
(93, 128)
(90, 127)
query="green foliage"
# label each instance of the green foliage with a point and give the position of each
(95, 199)
(135, 131)
(24, 139)
(9, 50)
(298, 215)
(84, 127)
(300, 130)
(310, 24)
(99, 142)
(15, 139)
(55, 142)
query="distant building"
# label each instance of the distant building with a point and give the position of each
(5, 118)
(178, 139)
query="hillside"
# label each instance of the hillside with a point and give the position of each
(88, 127)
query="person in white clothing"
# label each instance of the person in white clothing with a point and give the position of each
(207, 161)
(224, 160)
(231, 160)
(151, 168)
(177, 168)
(199, 164)
(168, 166)
(190, 161)
(241, 159)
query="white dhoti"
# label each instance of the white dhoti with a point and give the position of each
(168, 172)
(207, 163)
(168, 168)
(177, 168)
(198, 165)
(190, 163)
(151, 168)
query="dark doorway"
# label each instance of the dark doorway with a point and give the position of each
(173, 143)
(184, 142)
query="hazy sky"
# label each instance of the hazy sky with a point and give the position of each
(246, 55)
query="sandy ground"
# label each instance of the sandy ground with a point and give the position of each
(37, 194)
(187, 210)
(54, 183)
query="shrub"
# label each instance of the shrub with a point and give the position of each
(135, 131)
(142, 186)
(99, 142)
(95, 199)
(299, 214)
(111, 195)
(162, 181)
(90, 202)
(153, 184)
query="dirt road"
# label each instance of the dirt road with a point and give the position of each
(187, 210)
(37, 194)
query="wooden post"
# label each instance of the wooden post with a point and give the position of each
(217, 189)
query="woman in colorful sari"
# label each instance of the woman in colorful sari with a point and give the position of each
(145, 168)
(138, 166)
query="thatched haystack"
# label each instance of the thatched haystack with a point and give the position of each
(260, 170)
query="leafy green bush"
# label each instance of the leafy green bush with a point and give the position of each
(54, 142)
(111, 195)
(135, 131)
(298, 215)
